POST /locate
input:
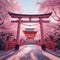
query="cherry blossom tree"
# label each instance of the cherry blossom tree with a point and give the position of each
(50, 6)
(54, 7)
(5, 20)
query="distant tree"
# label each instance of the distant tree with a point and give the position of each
(8, 6)
(50, 6)
(5, 20)
(54, 7)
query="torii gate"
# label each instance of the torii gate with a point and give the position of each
(40, 21)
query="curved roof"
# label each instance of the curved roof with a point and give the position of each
(15, 15)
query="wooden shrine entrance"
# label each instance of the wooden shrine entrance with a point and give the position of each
(40, 21)
(30, 35)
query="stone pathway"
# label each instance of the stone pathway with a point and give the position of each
(30, 52)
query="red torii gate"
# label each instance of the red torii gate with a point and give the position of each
(19, 21)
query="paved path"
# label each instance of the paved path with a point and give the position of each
(30, 52)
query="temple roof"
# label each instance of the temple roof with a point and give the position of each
(15, 15)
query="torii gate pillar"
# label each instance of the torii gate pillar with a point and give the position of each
(19, 16)
(18, 35)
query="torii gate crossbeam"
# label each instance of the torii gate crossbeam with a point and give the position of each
(40, 21)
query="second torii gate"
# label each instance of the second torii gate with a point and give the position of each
(40, 21)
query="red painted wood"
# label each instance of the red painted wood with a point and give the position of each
(30, 34)
(22, 43)
(9, 45)
(38, 42)
(50, 45)
(15, 15)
